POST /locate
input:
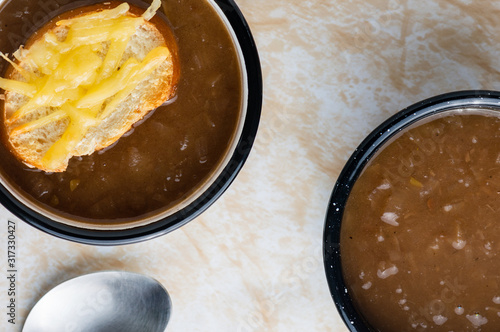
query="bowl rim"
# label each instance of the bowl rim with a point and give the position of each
(354, 167)
(251, 64)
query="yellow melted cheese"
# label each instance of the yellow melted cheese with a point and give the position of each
(75, 77)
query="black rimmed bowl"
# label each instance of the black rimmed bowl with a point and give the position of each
(374, 142)
(212, 190)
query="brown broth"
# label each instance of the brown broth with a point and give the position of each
(168, 156)
(420, 234)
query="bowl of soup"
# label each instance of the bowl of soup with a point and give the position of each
(173, 164)
(411, 235)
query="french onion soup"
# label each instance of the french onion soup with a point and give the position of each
(168, 154)
(420, 232)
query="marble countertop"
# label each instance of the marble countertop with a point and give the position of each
(333, 70)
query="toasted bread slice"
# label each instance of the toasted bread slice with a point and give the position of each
(86, 99)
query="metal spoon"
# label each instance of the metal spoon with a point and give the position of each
(102, 302)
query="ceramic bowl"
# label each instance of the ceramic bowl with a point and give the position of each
(374, 142)
(212, 190)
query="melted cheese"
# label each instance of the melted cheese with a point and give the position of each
(77, 78)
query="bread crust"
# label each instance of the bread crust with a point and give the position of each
(151, 93)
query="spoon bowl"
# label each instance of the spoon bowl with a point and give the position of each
(102, 301)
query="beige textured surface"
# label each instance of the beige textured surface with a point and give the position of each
(333, 70)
